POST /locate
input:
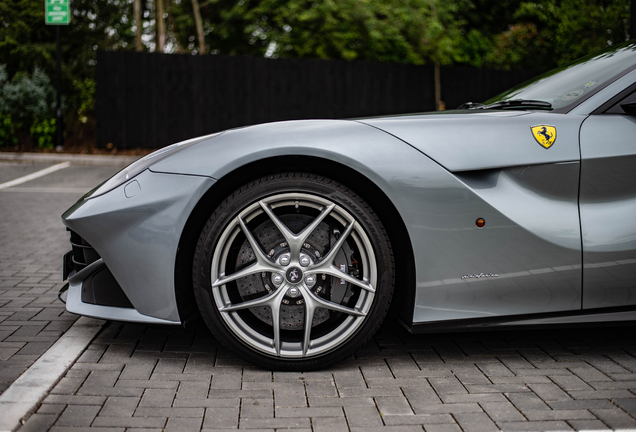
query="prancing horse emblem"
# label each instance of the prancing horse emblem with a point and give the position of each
(544, 134)
(294, 274)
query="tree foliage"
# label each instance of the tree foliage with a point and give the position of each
(504, 34)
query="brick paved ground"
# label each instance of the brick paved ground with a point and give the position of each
(32, 242)
(135, 377)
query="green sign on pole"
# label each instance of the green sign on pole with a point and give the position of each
(57, 12)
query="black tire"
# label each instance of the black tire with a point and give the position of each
(255, 264)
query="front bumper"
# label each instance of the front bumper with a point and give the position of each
(135, 238)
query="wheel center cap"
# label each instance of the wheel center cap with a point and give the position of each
(294, 275)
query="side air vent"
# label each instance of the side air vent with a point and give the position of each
(83, 253)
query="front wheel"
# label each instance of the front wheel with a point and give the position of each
(293, 271)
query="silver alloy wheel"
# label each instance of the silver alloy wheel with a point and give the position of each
(294, 276)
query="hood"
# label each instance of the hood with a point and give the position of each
(474, 140)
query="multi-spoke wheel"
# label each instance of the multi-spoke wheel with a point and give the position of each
(293, 271)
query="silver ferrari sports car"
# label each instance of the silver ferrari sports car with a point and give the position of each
(291, 240)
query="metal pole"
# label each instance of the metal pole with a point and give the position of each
(58, 108)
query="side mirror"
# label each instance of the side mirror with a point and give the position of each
(629, 107)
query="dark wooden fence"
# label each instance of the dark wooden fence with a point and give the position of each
(152, 100)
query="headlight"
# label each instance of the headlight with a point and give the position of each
(142, 164)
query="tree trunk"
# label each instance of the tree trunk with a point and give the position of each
(439, 103)
(138, 24)
(161, 26)
(199, 23)
(632, 25)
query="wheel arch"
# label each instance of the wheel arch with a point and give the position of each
(404, 293)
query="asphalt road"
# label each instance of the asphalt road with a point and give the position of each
(136, 377)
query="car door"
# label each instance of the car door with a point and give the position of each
(608, 204)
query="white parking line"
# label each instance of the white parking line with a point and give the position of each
(23, 396)
(35, 175)
(47, 190)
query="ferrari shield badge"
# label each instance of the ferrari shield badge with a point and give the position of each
(544, 134)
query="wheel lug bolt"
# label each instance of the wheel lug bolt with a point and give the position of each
(277, 279)
(293, 292)
(284, 260)
(304, 261)
(310, 280)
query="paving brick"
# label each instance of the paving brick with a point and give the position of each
(601, 394)
(471, 377)
(321, 389)
(527, 401)
(448, 386)
(397, 382)
(148, 384)
(102, 379)
(257, 408)
(536, 426)
(207, 403)
(217, 418)
(78, 415)
(443, 428)
(231, 394)
(615, 418)
(498, 388)
(51, 409)
(182, 424)
(589, 425)
(276, 423)
(419, 397)
(193, 389)
(68, 385)
(381, 370)
(582, 404)
(549, 392)
(532, 379)
(393, 406)
(303, 376)
(291, 397)
(228, 382)
(495, 370)
(474, 397)
(330, 424)
(340, 402)
(74, 400)
(447, 408)
(387, 429)
(570, 382)
(369, 392)
(362, 416)
(129, 422)
(589, 373)
(157, 398)
(119, 407)
(257, 375)
(475, 422)
(612, 385)
(169, 412)
(349, 379)
(502, 411)
(558, 415)
(136, 372)
(110, 391)
(308, 412)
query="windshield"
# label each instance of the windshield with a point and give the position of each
(568, 86)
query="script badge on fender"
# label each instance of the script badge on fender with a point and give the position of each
(544, 134)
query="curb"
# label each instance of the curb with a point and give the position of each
(75, 159)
